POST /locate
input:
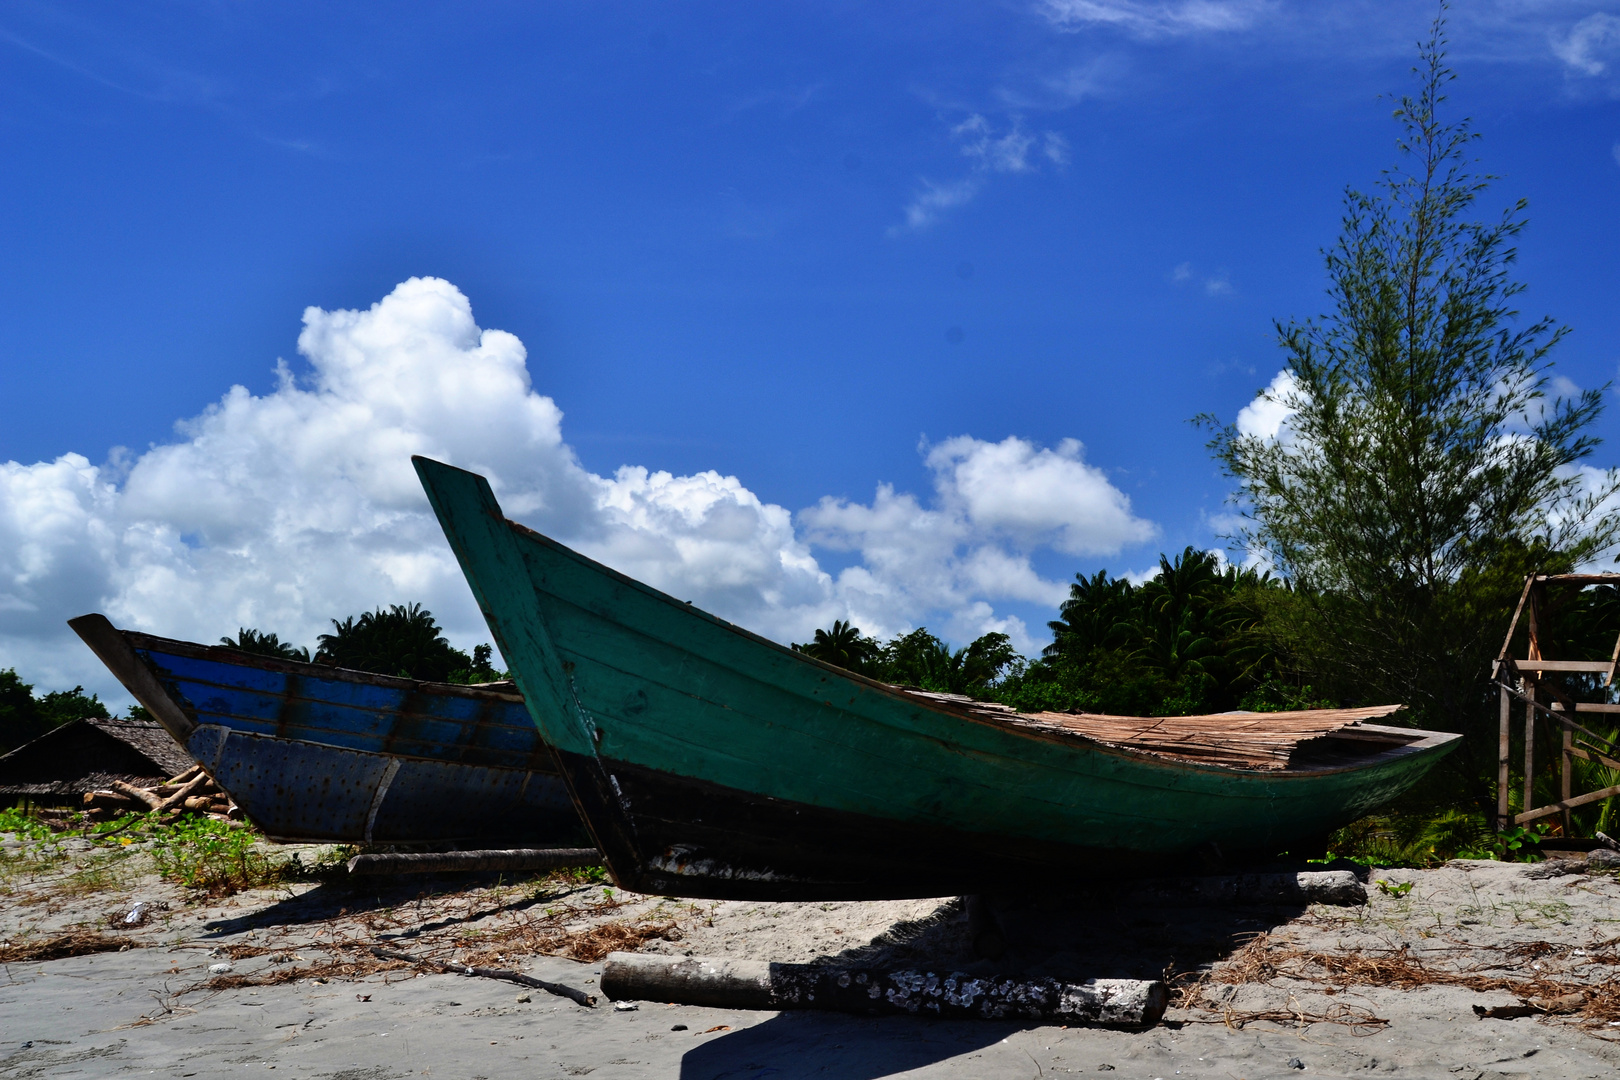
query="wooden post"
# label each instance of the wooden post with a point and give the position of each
(1529, 747)
(1563, 777)
(1504, 733)
(1532, 652)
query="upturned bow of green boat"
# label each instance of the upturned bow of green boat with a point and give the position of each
(711, 762)
(311, 752)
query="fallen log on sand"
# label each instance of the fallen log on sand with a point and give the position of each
(757, 984)
(512, 860)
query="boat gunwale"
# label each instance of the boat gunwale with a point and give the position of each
(1027, 725)
(197, 651)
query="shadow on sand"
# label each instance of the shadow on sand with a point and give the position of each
(357, 896)
(805, 1044)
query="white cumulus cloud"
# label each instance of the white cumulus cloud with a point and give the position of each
(282, 510)
(994, 504)
(1267, 415)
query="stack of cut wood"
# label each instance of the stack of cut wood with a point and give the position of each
(193, 791)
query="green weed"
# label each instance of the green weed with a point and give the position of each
(217, 858)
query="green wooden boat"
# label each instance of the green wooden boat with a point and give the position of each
(710, 762)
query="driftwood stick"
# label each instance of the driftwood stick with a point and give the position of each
(757, 984)
(179, 797)
(136, 793)
(184, 776)
(579, 996)
(515, 859)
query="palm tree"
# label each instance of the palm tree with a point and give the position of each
(249, 640)
(842, 646)
(404, 640)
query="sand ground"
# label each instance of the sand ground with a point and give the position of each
(1285, 992)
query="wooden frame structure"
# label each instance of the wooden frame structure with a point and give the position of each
(1524, 680)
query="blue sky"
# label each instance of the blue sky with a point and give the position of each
(800, 248)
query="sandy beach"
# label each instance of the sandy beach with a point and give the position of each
(1386, 988)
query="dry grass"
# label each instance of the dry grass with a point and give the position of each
(493, 928)
(591, 945)
(1591, 978)
(76, 943)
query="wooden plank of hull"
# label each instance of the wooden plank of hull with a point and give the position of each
(758, 772)
(313, 753)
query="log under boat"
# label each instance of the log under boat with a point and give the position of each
(317, 753)
(710, 762)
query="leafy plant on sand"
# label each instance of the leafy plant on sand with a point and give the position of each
(217, 858)
(213, 857)
(1428, 838)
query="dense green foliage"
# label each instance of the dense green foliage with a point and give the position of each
(402, 640)
(1188, 640)
(919, 659)
(24, 717)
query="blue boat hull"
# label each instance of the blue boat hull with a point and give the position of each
(318, 754)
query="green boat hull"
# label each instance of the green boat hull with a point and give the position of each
(710, 762)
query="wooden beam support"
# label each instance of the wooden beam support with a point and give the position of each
(1507, 642)
(1528, 697)
(1592, 755)
(1590, 667)
(1568, 804)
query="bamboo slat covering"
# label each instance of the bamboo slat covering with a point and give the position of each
(1244, 740)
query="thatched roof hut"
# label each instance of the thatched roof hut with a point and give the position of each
(87, 755)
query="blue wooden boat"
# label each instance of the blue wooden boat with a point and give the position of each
(320, 754)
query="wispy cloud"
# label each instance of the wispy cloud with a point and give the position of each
(1588, 47)
(991, 150)
(1217, 284)
(1149, 20)
(934, 199)
(1008, 152)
